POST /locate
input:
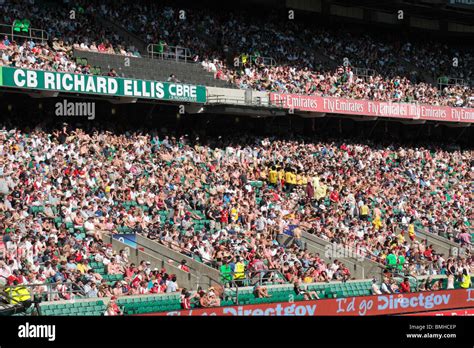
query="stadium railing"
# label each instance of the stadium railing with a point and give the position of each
(177, 53)
(31, 33)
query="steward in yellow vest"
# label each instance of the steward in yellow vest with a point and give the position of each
(466, 280)
(18, 294)
(239, 272)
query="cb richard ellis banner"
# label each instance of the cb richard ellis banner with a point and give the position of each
(100, 85)
(408, 111)
(354, 306)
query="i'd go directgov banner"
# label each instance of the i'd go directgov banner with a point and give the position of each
(415, 302)
(100, 85)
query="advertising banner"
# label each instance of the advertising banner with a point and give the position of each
(353, 306)
(467, 312)
(464, 4)
(128, 239)
(100, 85)
(408, 111)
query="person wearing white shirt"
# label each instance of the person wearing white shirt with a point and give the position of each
(171, 285)
(375, 288)
(386, 288)
(89, 225)
(5, 272)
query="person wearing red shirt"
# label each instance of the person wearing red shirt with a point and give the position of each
(101, 47)
(130, 271)
(225, 216)
(183, 266)
(334, 196)
(429, 253)
(405, 285)
(67, 171)
(156, 288)
(220, 75)
(346, 273)
(112, 308)
(137, 280)
(185, 299)
(12, 279)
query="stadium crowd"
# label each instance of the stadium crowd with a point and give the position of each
(245, 193)
(344, 84)
(298, 70)
(230, 202)
(66, 34)
(73, 27)
(392, 65)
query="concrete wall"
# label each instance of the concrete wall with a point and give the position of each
(360, 269)
(206, 274)
(440, 244)
(129, 37)
(185, 279)
(369, 268)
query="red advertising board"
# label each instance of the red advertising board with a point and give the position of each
(466, 312)
(408, 111)
(354, 306)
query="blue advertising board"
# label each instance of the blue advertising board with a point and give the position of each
(128, 239)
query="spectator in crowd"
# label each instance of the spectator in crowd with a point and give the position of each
(405, 285)
(437, 285)
(171, 284)
(91, 290)
(261, 291)
(186, 298)
(308, 295)
(375, 288)
(210, 298)
(183, 266)
(112, 308)
(386, 287)
(172, 78)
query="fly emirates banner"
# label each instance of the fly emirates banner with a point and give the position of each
(409, 111)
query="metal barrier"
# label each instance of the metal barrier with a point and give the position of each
(257, 60)
(450, 81)
(252, 278)
(33, 33)
(364, 72)
(51, 292)
(165, 52)
(37, 294)
(221, 99)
